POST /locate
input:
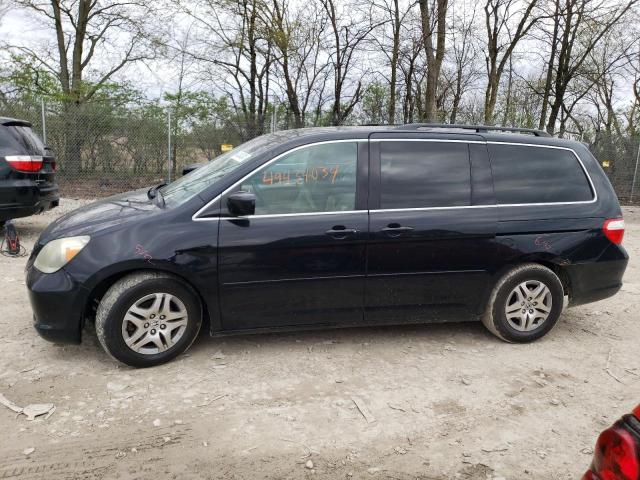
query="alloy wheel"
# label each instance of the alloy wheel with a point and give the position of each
(154, 323)
(528, 305)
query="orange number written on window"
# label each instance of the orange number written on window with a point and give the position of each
(299, 177)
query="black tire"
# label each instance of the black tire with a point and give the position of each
(495, 317)
(124, 294)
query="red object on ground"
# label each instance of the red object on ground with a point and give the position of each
(617, 453)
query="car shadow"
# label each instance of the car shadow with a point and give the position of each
(464, 334)
(452, 332)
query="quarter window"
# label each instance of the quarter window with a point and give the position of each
(19, 140)
(424, 174)
(524, 174)
(318, 178)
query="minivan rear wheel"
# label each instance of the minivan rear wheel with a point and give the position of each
(148, 318)
(525, 304)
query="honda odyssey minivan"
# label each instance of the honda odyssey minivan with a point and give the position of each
(334, 227)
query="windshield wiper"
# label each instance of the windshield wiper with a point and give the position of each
(153, 191)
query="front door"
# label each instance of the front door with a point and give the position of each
(300, 260)
(432, 229)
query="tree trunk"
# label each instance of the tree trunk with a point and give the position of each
(435, 55)
(490, 98)
(556, 106)
(391, 113)
(507, 106)
(457, 97)
(549, 78)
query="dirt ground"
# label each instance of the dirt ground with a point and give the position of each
(427, 402)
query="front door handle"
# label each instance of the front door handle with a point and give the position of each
(395, 230)
(340, 232)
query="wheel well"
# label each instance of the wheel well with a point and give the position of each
(555, 268)
(101, 288)
(562, 275)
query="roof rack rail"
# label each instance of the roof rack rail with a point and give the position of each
(477, 128)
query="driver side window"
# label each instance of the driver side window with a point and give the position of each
(318, 178)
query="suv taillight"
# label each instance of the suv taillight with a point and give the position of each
(614, 230)
(615, 457)
(24, 163)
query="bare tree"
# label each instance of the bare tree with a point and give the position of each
(604, 70)
(237, 54)
(394, 17)
(578, 25)
(633, 112)
(433, 15)
(94, 40)
(413, 75)
(500, 15)
(297, 36)
(179, 44)
(348, 33)
(464, 52)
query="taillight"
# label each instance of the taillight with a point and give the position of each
(636, 412)
(616, 456)
(614, 230)
(24, 163)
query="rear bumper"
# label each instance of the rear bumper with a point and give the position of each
(57, 301)
(598, 280)
(22, 198)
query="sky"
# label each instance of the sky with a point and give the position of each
(157, 77)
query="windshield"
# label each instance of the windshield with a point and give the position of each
(190, 185)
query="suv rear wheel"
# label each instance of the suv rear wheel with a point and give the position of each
(525, 304)
(148, 318)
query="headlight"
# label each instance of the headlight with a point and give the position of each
(57, 253)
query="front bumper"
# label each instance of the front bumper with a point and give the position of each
(58, 303)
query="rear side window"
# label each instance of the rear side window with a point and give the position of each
(523, 174)
(19, 140)
(424, 174)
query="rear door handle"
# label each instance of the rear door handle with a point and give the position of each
(339, 232)
(395, 230)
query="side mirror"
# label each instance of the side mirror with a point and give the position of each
(241, 204)
(190, 168)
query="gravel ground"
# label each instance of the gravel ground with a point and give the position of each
(427, 402)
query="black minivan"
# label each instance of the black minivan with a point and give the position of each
(27, 169)
(328, 227)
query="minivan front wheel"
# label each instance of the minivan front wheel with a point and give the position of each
(148, 318)
(525, 304)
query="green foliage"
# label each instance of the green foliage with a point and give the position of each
(25, 80)
(374, 103)
(29, 82)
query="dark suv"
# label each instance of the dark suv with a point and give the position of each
(26, 171)
(328, 227)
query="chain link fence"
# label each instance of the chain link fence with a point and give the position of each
(619, 157)
(104, 149)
